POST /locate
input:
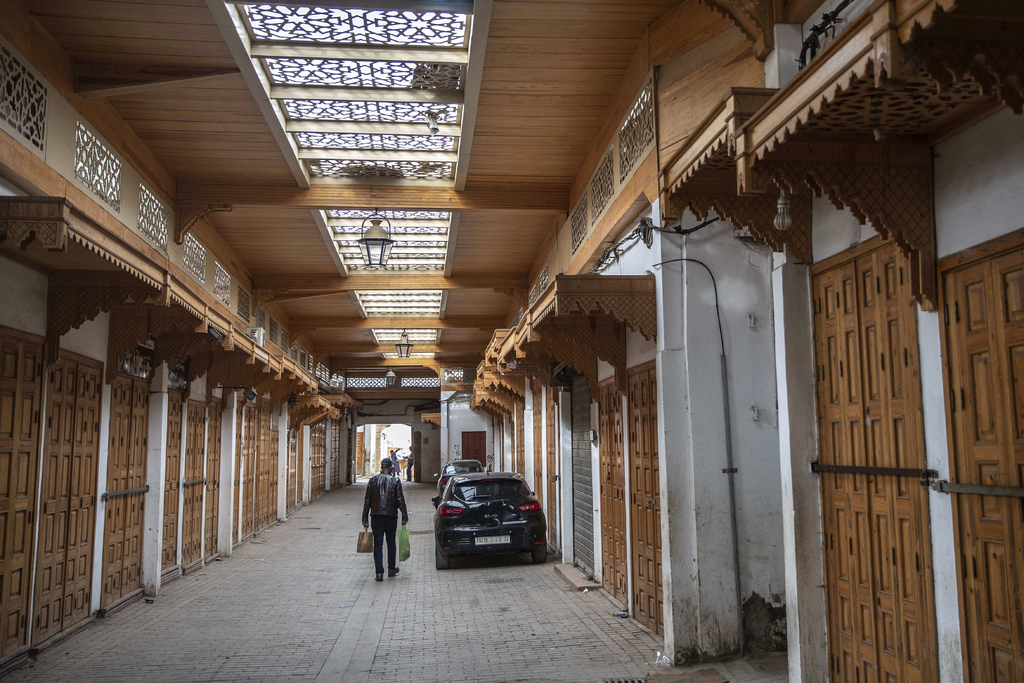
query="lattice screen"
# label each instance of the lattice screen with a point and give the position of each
(637, 131)
(195, 257)
(97, 167)
(272, 331)
(602, 187)
(365, 383)
(261, 318)
(579, 224)
(221, 283)
(153, 216)
(424, 143)
(542, 281)
(357, 26)
(387, 112)
(452, 375)
(22, 100)
(244, 306)
(421, 382)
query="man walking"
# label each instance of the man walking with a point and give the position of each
(408, 467)
(384, 498)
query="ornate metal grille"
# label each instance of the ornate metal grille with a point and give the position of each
(302, 357)
(261, 318)
(421, 382)
(380, 169)
(244, 305)
(321, 373)
(602, 187)
(637, 132)
(395, 230)
(357, 26)
(394, 215)
(221, 283)
(295, 351)
(579, 224)
(97, 167)
(273, 331)
(365, 383)
(284, 340)
(309, 363)
(387, 112)
(352, 73)
(452, 375)
(426, 143)
(153, 216)
(195, 257)
(533, 294)
(542, 282)
(22, 100)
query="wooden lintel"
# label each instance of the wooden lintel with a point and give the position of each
(349, 349)
(187, 215)
(324, 284)
(113, 80)
(396, 323)
(397, 394)
(454, 6)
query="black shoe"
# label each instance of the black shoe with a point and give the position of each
(379, 577)
(392, 572)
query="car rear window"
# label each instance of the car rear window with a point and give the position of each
(469, 466)
(494, 489)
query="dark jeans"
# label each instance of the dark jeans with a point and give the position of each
(384, 527)
(408, 471)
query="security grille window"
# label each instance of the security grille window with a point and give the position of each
(221, 284)
(244, 306)
(637, 132)
(309, 363)
(602, 187)
(22, 100)
(579, 224)
(261, 318)
(273, 331)
(452, 375)
(302, 357)
(542, 283)
(284, 340)
(421, 382)
(195, 257)
(295, 351)
(97, 167)
(153, 216)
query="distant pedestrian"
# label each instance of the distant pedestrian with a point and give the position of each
(384, 498)
(408, 467)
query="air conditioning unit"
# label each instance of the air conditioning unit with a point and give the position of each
(257, 334)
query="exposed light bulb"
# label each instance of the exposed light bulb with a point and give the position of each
(879, 134)
(432, 123)
(783, 220)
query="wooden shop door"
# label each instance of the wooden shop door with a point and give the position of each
(213, 444)
(538, 442)
(520, 438)
(293, 447)
(194, 485)
(67, 513)
(318, 458)
(236, 519)
(21, 366)
(474, 447)
(878, 551)
(248, 511)
(172, 479)
(645, 496)
(613, 492)
(336, 454)
(360, 442)
(264, 451)
(126, 472)
(552, 478)
(984, 315)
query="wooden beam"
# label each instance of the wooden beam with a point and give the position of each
(112, 80)
(329, 92)
(350, 196)
(342, 363)
(453, 6)
(385, 281)
(396, 323)
(374, 53)
(398, 394)
(445, 129)
(349, 349)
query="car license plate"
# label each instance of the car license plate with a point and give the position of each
(493, 540)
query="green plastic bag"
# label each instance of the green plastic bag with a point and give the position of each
(403, 544)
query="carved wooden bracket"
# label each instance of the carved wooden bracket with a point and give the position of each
(24, 220)
(76, 297)
(628, 299)
(187, 215)
(431, 418)
(513, 384)
(133, 325)
(756, 18)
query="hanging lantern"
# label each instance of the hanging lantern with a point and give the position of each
(783, 220)
(403, 347)
(389, 378)
(375, 244)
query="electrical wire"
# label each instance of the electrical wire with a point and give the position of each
(644, 231)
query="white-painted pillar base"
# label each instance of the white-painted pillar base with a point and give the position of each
(282, 461)
(565, 481)
(156, 465)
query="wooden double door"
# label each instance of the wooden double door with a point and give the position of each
(67, 511)
(538, 439)
(875, 524)
(126, 481)
(193, 485)
(552, 472)
(614, 553)
(336, 449)
(293, 456)
(20, 396)
(213, 445)
(172, 478)
(645, 497)
(318, 458)
(983, 308)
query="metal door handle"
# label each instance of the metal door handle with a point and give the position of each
(650, 501)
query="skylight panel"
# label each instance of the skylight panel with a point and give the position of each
(416, 336)
(351, 73)
(390, 303)
(425, 143)
(399, 233)
(414, 354)
(357, 26)
(399, 214)
(350, 168)
(368, 111)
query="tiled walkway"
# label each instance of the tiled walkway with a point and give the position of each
(297, 603)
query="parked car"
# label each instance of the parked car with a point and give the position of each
(455, 467)
(488, 513)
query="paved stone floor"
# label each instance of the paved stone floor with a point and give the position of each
(297, 603)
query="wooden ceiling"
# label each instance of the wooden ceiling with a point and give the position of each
(551, 70)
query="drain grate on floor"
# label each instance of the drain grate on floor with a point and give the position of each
(417, 533)
(504, 581)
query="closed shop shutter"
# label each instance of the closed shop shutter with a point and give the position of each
(552, 456)
(213, 444)
(613, 492)
(293, 449)
(645, 497)
(193, 485)
(582, 477)
(172, 478)
(336, 453)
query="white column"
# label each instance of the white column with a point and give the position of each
(507, 456)
(282, 461)
(565, 482)
(528, 435)
(940, 505)
(102, 461)
(801, 502)
(445, 454)
(543, 493)
(156, 465)
(228, 437)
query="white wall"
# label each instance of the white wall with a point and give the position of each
(89, 340)
(462, 419)
(24, 291)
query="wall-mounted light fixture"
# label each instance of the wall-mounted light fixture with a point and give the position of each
(783, 220)
(389, 378)
(404, 347)
(376, 243)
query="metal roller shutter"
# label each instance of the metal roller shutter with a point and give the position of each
(582, 477)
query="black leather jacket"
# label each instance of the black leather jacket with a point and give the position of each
(384, 497)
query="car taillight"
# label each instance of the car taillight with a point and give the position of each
(444, 481)
(527, 507)
(449, 511)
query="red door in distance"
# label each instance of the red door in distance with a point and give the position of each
(474, 447)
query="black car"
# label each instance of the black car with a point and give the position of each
(488, 513)
(456, 467)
